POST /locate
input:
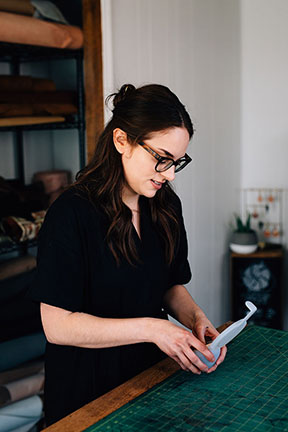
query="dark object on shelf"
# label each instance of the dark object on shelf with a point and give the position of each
(15, 266)
(15, 287)
(54, 182)
(7, 245)
(20, 229)
(21, 200)
(258, 277)
(72, 11)
(14, 324)
(18, 315)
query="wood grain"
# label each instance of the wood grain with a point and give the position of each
(93, 73)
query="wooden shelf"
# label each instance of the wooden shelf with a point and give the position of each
(270, 251)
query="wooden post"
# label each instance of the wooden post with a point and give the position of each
(93, 73)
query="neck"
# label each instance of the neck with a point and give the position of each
(131, 200)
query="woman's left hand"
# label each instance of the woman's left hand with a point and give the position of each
(202, 328)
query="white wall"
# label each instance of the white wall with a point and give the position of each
(264, 93)
(194, 48)
(264, 110)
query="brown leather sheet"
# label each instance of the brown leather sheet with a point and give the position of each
(14, 110)
(25, 84)
(32, 31)
(22, 388)
(29, 120)
(29, 368)
(17, 6)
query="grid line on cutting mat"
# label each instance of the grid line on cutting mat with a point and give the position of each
(249, 391)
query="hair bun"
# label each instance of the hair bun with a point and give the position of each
(125, 91)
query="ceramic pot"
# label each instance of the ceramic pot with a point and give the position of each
(244, 242)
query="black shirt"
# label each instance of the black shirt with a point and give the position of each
(76, 271)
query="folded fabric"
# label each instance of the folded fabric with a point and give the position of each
(21, 229)
(48, 10)
(29, 427)
(24, 83)
(21, 389)
(22, 413)
(30, 368)
(23, 7)
(18, 351)
(32, 31)
(17, 266)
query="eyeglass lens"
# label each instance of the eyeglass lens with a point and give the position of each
(166, 164)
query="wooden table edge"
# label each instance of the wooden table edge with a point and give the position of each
(99, 408)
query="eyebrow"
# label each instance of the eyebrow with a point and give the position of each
(167, 153)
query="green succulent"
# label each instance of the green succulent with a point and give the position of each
(244, 227)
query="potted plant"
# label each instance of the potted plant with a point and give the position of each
(244, 239)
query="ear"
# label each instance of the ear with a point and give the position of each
(120, 140)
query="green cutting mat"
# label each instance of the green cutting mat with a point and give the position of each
(248, 392)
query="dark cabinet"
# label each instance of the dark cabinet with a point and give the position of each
(258, 277)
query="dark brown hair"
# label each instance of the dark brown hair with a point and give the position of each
(138, 112)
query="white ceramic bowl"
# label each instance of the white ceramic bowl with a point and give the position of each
(243, 249)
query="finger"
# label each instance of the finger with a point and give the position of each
(220, 359)
(195, 361)
(202, 333)
(200, 346)
(222, 355)
(212, 332)
(177, 360)
(189, 364)
(212, 369)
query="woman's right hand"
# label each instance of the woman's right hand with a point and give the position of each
(178, 343)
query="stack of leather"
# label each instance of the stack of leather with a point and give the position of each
(18, 24)
(29, 100)
(22, 346)
(22, 209)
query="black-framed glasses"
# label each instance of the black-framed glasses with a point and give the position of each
(164, 163)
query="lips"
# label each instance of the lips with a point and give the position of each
(157, 184)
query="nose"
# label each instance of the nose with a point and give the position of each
(169, 174)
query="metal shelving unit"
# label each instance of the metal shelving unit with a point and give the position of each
(17, 54)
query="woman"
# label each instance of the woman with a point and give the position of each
(112, 258)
